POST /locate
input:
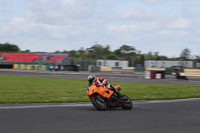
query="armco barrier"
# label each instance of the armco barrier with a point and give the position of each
(128, 68)
(117, 69)
(139, 69)
(111, 69)
(18, 67)
(46, 67)
(94, 69)
(15, 66)
(192, 72)
(39, 67)
(169, 71)
(70, 67)
(43, 67)
(106, 69)
(26, 67)
(6, 66)
(21, 66)
(156, 69)
(35, 67)
(30, 67)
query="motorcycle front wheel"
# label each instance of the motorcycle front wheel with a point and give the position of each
(127, 103)
(98, 102)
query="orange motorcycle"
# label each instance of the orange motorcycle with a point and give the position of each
(103, 98)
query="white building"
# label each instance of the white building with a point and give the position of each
(198, 65)
(112, 63)
(168, 63)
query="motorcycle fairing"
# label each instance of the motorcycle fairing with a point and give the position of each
(102, 90)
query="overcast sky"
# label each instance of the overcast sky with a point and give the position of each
(164, 26)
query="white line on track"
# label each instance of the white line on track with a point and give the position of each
(44, 106)
(14, 106)
(165, 101)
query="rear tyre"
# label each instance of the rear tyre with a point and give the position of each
(98, 102)
(126, 103)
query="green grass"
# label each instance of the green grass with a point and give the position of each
(28, 89)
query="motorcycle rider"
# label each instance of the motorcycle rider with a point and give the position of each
(100, 81)
(91, 79)
(179, 74)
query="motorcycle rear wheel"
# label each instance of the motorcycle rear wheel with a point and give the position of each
(98, 104)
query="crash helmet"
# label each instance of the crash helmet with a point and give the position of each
(100, 81)
(92, 78)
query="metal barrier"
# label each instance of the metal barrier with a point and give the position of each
(111, 69)
(192, 72)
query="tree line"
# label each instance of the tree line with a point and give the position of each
(97, 51)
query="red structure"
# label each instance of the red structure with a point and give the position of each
(29, 57)
(57, 58)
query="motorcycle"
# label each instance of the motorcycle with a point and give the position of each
(103, 98)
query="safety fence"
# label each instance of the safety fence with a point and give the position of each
(31, 67)
(46, 67)
(129, 70)
(111, 69)
(136, 70)
(142, 70)
(169, 71)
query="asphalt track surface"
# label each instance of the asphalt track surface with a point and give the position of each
(174, 116)
(167, 116)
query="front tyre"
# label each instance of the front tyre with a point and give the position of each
(126, 103)
(98, 102)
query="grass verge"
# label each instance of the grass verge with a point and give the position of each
(28, 89)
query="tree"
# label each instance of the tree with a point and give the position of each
(185, 54)
(149, 56)
(162, 57)
(111, 56)
(9, 47)
(98, 51)
(106, 50)
(139, 59)
(81, 52)
(117, 52)
(125, 51)
(154, 56)
(57, 52)
(72, 53)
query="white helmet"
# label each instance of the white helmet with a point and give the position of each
(92, 78)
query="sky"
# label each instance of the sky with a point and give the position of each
(164, 26)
